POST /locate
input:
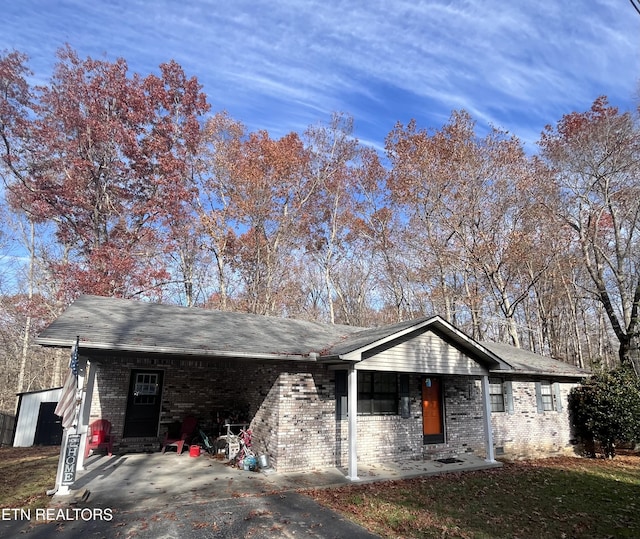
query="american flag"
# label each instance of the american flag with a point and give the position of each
(66, 408)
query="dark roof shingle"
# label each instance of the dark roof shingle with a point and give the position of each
(526, 362)
(137, 326)
(109, 323)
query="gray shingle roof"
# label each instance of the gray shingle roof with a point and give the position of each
(365, 336)
(524, 361)
(139, 326)
(108, 323)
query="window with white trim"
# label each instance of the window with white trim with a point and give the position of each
(546, 395)
(496, 394)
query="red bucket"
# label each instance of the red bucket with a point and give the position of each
(194, 451)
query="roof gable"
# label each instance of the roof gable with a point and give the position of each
(367, 343)
(423, 352)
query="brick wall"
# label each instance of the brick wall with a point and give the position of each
(305, 434)
(292, 413)
(293, 416)
(527, 433)
(397, 439)
(463, 417)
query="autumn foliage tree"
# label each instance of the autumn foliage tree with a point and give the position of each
(595, 162)
(22, 310)
(102, 156)
(172, 149)
(472, 219)
(214, 208)
(343, 172)
(16, 101)
(131, 189)
(271, 191)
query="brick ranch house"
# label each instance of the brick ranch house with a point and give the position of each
(315, 394)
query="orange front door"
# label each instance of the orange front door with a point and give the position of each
(432, 424)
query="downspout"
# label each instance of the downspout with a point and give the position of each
(352, 398)
(486, 408)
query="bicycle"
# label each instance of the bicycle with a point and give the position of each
(202, 439)
(245, 454)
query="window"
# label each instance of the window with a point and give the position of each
(501, 395)
(342, 403)
(496, 394)
(145, 388)
(548, 397)
(377, 393)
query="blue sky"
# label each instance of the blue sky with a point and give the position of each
(283, 65)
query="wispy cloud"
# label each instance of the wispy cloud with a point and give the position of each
(283, 65)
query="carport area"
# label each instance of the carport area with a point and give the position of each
(178, 496)
(155, 480)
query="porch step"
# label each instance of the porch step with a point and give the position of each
(137, 445)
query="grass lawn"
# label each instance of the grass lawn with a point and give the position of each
(26, 473)
(550, 498)
(560, 498)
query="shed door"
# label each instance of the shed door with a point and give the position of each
(143, 404)
(49, 426)
(432, 417)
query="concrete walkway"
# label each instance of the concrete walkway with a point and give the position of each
(168, 495)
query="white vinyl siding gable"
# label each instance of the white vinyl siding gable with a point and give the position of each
(427, 353)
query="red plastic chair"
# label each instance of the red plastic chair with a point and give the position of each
(99, 437)
(187, 429)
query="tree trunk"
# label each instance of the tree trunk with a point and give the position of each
(629, 352)
(27, 326)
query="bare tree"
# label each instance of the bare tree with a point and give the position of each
(595, 159)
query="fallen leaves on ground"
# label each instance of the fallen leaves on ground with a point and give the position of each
(554, 497)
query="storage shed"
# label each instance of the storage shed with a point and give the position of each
(36, 424)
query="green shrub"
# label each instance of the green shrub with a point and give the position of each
(605, 409)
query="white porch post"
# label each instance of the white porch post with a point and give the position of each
(89, 376)
(486, 406)
(77, 454)
(352, 397)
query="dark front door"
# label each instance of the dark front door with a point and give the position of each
(143, 404)
(432, 417)
(49, 426)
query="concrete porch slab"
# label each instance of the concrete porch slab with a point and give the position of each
(160, 480)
